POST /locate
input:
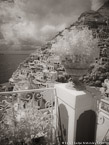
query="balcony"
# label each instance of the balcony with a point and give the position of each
(48, 116)
(26, 117)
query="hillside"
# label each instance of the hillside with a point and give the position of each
(35, 66)
(98, 22)
(104, 10)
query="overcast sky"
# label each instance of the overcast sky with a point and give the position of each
(29, 21)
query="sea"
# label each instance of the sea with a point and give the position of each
(8, 64)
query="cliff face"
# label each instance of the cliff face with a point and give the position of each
(97, 21)
(104, 10)
(99, 17)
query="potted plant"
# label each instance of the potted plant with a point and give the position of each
(77, 50)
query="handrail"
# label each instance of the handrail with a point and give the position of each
(38, 109)
(26, 91)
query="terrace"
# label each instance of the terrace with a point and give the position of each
(27, 116)
(47, 116)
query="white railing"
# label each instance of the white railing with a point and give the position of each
(27, 115)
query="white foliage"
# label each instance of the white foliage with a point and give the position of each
(77, 43)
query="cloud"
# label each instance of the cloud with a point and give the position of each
(96, 4)
(23, 21)
(14, 32)
(51, 30)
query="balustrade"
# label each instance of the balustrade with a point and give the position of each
(27, 116)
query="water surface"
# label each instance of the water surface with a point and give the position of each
(8, 64)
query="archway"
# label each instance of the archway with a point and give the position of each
(62, 123)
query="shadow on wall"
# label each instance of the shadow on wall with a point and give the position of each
(86, 127)
(63, 123)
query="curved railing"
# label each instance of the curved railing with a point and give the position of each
(27, 116)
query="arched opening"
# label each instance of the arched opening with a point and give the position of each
(62, 123)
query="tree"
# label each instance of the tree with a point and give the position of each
(78, 46)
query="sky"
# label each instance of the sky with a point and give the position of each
(29, 22)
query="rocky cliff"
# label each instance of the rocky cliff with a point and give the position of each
(97, 21)
(104, 10)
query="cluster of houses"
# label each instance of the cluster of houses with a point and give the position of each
(38, 70)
